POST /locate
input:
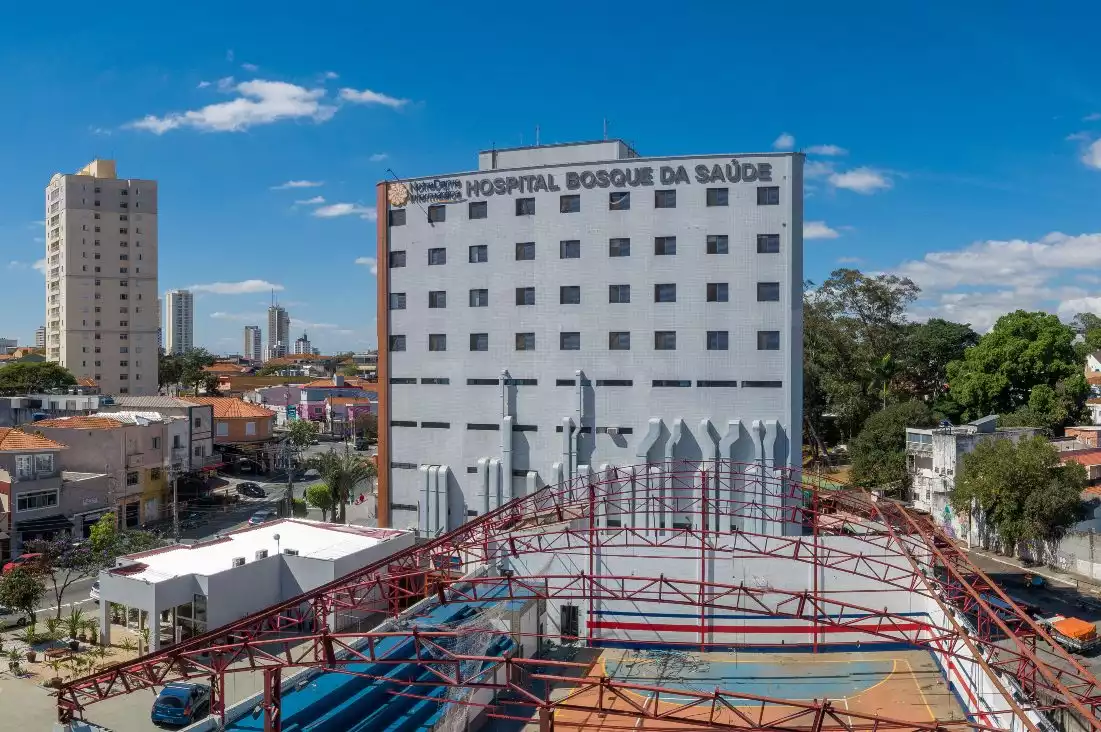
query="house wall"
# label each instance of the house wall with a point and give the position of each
(237, 432)
(240, 591)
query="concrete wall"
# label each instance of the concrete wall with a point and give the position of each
(241, 591)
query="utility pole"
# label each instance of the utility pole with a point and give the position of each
(175, 506)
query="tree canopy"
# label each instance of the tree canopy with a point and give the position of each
(22, 589)
(879, 451)
(302, 432)
(342, 472)
(1024, 350)
(186, 370)
(32, 378)
(1020, 491)
(320, 495)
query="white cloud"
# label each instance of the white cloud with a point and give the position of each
(1092, 156)
(312, 326)
(330, 75)
(99, 131)
(16, 264)
(784, 142)
(250, 67)
(826, 150)
(40, 265)
(993, 263)
(203, 84)
(298, 184)
(861, 180)
(367, 96)
(378, 157)
(236, 288)
(229, 55)
(1077, 137)
(259, 103)
(369, 262)
(315, 201)
(1092, 117)
(333, 210)
(818, 230)
(225, 83)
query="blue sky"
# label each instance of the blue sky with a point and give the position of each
(956, 143)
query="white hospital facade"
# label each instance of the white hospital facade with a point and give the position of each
(569, 308)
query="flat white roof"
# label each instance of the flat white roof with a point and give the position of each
(313, 539)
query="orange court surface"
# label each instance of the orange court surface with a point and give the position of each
(904, 685)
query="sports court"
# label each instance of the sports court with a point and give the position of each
(900, 684)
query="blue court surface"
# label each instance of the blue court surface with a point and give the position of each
(797, 677)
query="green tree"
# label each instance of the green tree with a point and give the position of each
(1052, 409)
(854, 328)
(170, 371)
(22, 590)
(342, 472)
(302, 432)
(879, 451)
(271, 369)
(192, 363)
(34, 378)
(320, 495)
(928, 349)
(1019, 491)
(366, 425)
(1023, 350)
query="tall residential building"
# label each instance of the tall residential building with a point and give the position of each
(160, 325)
(40, 337)
(101, 278)
(572, 308)
(302, 346)
(7, 345)
(253, 348)
(179, 324)
(279, 332)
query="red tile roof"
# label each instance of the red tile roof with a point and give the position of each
(12, 440)
(86, 381)
(81, 423)
(350, 382)
(1086, 458)
(349, 400)
(230, 408)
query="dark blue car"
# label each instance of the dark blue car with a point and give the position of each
(180, 704)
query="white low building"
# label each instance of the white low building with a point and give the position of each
(207, 585)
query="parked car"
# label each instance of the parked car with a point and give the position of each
(181, 704)
(11, 618)
(252, 490)
(93, 594)
(28, 560)
(261, 517)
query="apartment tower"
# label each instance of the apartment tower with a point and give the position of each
(101, 278)
(279, 332)
(253, 347)
(179, 326)
(40, 337)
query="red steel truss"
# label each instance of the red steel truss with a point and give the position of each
(686, 510)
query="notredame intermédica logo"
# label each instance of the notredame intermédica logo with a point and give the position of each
(398, 194)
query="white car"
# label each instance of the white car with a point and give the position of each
(11, 618)
(93, 594)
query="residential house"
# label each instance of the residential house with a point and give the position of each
(238, 385)
(23, 354)
(241, 429)
(37, 498)
(1094, 405)
(283, 400)
(132, 452)
(341, 412)
(200, 418)
(933, 462)
(18, 410)
(312, 404)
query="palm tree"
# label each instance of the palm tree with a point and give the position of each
(342, 472)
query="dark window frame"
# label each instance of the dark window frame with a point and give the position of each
(562, 338)
(658, 291)
(768, 195)
(718, 196)
(569, 249)
(661, 336)
(665, 198)
(764, 292)
(526, 336)
(766, 340)
(768, 243)
(434, 340)
(442, 254)
(718, 292)
(569, 203)
(525, 206)
(572, 289)
(718, 244)
(528, 246)
(718, 340)
(437, 213)
(619, 246)
(614, 340)
(396, 217)
(522, 296)
(479, 207)
(619, 201)
(476, 339)
(665, 246)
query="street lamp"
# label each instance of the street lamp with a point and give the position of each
(276, 537)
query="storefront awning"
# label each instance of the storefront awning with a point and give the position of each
(57, 522)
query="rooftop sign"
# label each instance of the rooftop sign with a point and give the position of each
(453, 190)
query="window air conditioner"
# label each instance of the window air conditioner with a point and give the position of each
(238, 561)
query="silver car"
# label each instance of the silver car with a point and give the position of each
(11, 618)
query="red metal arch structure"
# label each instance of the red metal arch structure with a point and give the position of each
(680, 509)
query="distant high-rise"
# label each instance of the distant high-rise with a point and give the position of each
(302, 346)
(160, 324)
(279, 331)
(40, 337)
(179, 326)
(101, 249)
(253, 345)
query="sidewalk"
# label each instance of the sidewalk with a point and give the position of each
(1080, 582)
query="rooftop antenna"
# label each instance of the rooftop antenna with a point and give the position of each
(395, 177)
